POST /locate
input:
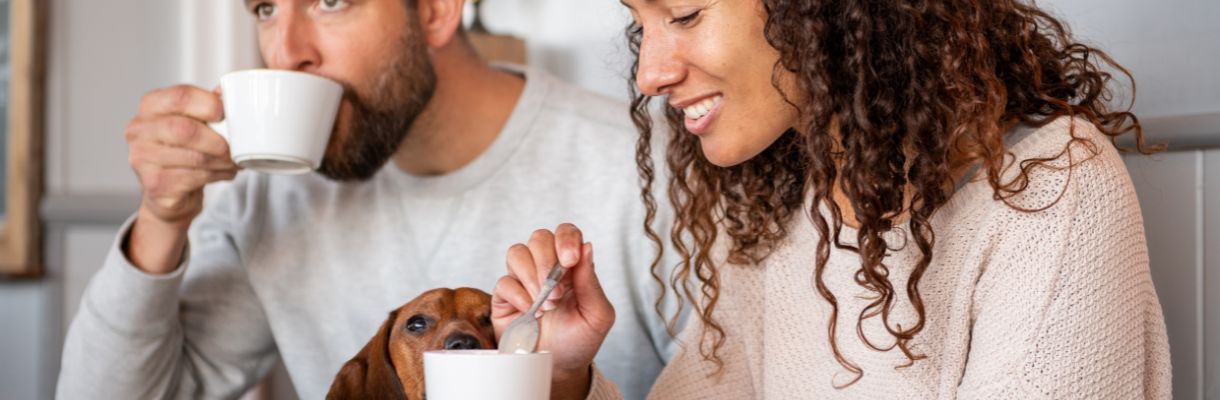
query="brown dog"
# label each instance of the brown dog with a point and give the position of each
(391, 365)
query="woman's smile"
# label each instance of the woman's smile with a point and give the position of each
(700, 114)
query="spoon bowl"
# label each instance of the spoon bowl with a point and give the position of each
(521, 335)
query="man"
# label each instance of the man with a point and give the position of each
(437, 164)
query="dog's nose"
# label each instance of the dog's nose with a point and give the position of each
(461, 341)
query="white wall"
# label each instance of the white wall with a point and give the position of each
(1178, 193)
(579, 40)
(1170, 46)
(25, 340)
(102, 56)
(105, 54)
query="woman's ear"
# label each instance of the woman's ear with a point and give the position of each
(439, 20)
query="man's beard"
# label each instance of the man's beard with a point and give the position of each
(382, 115)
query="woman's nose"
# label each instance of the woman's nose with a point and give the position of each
(659, 67)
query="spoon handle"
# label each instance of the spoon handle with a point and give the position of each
(552, 279)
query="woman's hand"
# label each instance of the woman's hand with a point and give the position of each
(578, 316)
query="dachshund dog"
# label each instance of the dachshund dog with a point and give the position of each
(391, 365)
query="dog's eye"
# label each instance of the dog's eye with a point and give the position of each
(417, 323)
(486, 320)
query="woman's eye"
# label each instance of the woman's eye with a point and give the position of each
(263, 11)
(417, 324)
(686, 19)
(332, 5)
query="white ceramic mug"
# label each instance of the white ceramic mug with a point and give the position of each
(486, 374)
(278, 121)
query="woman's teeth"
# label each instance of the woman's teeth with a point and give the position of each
(700, 109)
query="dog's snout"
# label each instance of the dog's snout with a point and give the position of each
(461, 341)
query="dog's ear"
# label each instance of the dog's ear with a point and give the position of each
(370, 374)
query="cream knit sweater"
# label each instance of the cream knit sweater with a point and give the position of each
(1056, 304)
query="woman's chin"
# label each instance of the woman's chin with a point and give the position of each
(722, 155)
(729, 150)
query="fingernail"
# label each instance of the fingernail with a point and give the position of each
(568, 258)
(556, 293)
(538, 314)
(548, 305)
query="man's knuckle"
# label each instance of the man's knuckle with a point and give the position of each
(183, 129)
(132, 130)
(180, 97)
(153, 181)
(195, 159)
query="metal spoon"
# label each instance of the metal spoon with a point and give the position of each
(521, 335)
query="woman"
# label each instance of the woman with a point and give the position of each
(895, 199)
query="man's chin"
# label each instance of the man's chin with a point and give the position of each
(348, 173)
(355, 161)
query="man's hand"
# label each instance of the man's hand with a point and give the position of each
(174, 153)
(578, 315)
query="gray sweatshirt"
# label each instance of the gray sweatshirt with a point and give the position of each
(306, 269)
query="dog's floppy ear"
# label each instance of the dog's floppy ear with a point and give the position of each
(370, 374)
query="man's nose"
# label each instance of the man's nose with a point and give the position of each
(292, 45)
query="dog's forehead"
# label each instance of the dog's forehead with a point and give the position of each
(435, 298)
(472, 301)
(462, 301)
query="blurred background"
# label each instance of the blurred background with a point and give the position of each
(101, 56)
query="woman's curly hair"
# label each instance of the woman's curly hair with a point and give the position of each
(883, 79)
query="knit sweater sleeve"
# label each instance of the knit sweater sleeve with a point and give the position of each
(1066, 307)
(197, 332)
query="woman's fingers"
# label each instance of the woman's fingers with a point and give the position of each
(591, 299)
(531, 264)
(568, 242)
(507, 302)
(542, 249)
(521, 266)
(510, 292)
